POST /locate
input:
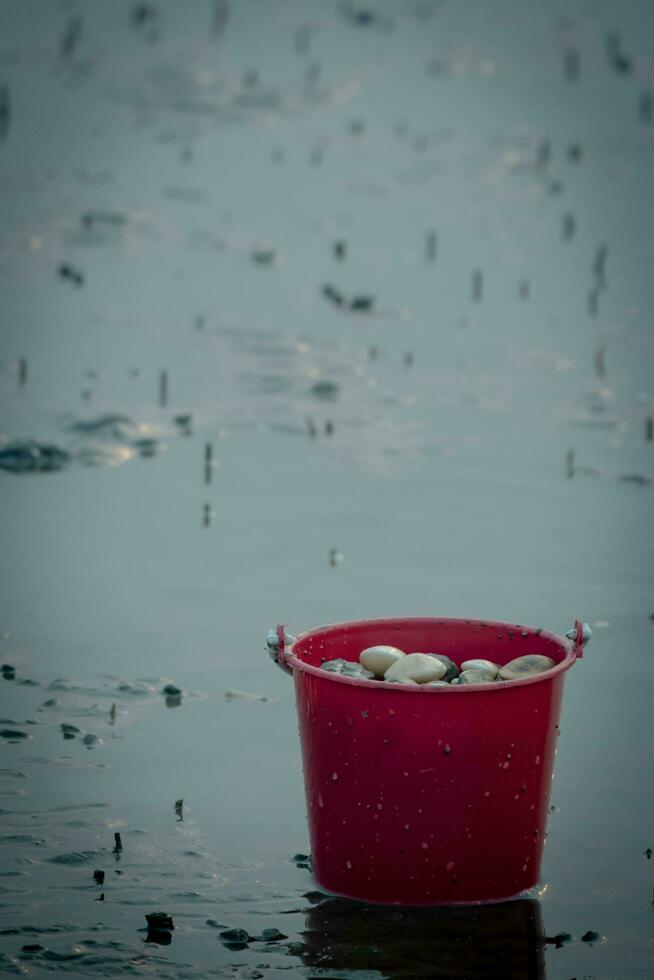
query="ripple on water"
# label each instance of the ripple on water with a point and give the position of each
(75, 858)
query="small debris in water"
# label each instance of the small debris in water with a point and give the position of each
(560, 940)
(326, 390)
(184, 423)
(362, 304)
(334, 295)
(335, 557)
(208, 462)
(163, 389)
(159, 920)
(70, 38)
(72, 274)
(271, 936)
(599, 361)
(5, 111)
(234, 695)
(235, 939)
(173, 696)
(33, 457)
(431, 246)
(568, 227)
(265, 255)
(13, 735)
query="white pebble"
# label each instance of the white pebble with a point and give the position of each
(378, 659)
(526, 666)
(473, 676)
(486, 665)
(418, 667)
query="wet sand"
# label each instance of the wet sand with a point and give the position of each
(459, 425)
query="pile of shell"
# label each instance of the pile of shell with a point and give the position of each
(434, 669)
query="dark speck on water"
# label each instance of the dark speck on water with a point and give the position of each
(235, 939)
(13, 734)
(159, 920)
(70, 38)
(362, 304)
(334, 295)
(5, 112)
(33, 457)
(71, 273)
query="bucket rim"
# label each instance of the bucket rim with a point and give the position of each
(568, 645)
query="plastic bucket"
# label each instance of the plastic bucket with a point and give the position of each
(427, 796)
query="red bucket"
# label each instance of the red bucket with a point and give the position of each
(427, 795)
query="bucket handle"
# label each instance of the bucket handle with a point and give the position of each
(580, 636)
(277, 643)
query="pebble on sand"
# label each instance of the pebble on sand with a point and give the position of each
(526, 666)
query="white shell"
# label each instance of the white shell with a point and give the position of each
(486, 665)
(379, 659)
(418, 667)
(526, 666)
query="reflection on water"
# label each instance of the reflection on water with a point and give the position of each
(504, 940)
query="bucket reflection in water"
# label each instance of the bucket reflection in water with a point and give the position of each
(502, 940)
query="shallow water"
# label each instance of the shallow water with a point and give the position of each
(194, 168)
